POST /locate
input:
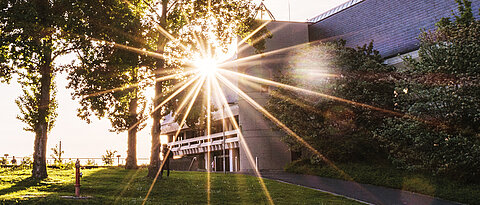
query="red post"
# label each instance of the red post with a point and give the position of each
(77, 178)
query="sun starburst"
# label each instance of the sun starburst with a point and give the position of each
(206, 66)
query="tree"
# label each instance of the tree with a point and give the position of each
(230, 17)
(109, 80)
(340, 130)
(442, 90)
(31, 37)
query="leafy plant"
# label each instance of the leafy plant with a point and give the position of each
(90, 162)
(26, 162)
(108, 157)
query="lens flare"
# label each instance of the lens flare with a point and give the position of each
(207, 66)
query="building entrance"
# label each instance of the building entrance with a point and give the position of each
(219, 159)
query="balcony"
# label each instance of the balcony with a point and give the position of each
(201, 144)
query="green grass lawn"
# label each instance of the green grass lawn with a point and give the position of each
(120, 186)
(387, 176)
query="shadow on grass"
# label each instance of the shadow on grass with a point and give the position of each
(21, 185)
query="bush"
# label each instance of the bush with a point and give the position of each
(415, 146)
(108, 157)
(26, 163)
(3, 161)
(90, 163)
(442, 91)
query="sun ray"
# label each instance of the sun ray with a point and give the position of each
(297, 89)
(209, 132)
(164, 72)
(309, 92)
(161, 29)
(169, 77)
(253, 32)
(126, 186)
(261, 55)
(264, 36)
(189, 94)
(143, 51)
(196, 91)
(170, 37)
(328, 39)
(139, 51)
(195, 36)
(175, 93)
(242, 141)
(166, 100)
(275, 94)
(209, 6)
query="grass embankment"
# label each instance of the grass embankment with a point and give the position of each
(388, 176)
(120, 186)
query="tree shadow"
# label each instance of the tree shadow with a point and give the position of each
(21, 185)
(47, 186)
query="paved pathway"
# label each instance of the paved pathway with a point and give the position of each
(361, 192)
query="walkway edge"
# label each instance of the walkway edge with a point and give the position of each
(324, 191)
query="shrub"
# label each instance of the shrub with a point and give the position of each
(108, 157)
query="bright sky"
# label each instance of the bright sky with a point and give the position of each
(80, 139)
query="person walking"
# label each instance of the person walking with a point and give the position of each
(14, 161)
(166, 157)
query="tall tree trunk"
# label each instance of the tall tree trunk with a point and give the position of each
(131, 162)
(39, 170)
(157, 116)
(156, 128)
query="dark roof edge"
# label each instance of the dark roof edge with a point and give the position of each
(286, 21)
(334, 11)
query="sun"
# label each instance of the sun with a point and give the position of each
(207, 66)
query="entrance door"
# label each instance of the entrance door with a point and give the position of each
(219, 163)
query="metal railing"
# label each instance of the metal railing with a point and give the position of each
(84, 161)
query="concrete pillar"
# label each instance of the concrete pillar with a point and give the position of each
(208, 162)
(233, 159)
(230, 159)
